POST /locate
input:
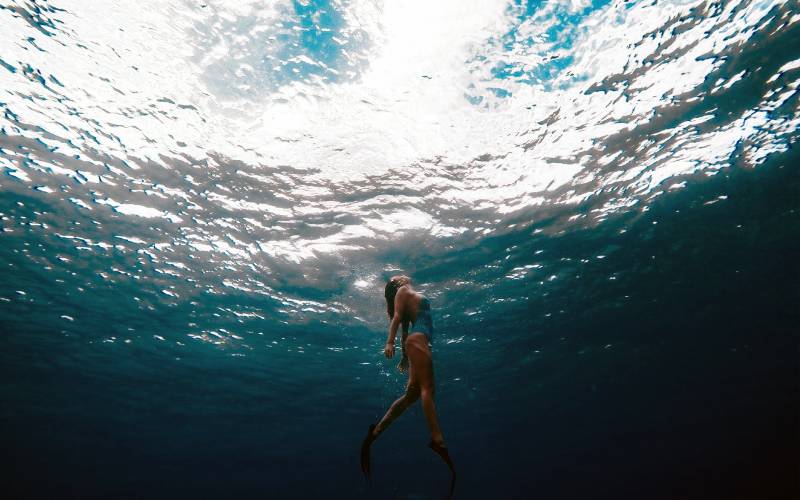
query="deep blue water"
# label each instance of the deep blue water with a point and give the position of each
(200, 204)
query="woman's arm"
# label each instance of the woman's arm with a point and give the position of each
(399, 313)
(403, 364)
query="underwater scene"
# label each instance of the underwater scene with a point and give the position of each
(201, 203)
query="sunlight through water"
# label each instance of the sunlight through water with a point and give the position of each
(236, 147)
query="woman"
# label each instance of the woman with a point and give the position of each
(407, 306)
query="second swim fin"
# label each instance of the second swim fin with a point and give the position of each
(365, 445)
(442, 452)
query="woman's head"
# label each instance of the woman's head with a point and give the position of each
(394, 284)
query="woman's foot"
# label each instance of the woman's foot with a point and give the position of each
(441, 450)
(365, 450)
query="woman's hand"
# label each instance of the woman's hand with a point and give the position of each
(403, 364)
(388, 351)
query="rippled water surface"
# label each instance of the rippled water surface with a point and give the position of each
(200, 202)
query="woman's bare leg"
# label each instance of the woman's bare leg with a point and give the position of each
(421, 363)
(400, 405)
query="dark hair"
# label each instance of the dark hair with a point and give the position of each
(394, 284)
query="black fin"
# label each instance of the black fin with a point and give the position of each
(442, 452)
(365, 452)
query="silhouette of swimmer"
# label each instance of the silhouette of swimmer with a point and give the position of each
(406, 306)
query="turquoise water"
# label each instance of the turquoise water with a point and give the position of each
(200, 203)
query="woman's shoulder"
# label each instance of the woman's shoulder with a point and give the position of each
(405, 293)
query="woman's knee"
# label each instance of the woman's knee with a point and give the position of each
(412, 394)
(427, 390)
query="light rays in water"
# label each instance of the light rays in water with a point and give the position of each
(265, 148)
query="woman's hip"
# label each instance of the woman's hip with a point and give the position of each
(418, 342)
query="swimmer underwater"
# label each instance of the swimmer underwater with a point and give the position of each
(407, 307)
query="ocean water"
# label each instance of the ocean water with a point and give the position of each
(200, 202)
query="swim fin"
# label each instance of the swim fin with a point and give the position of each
(365, 451)
(442, 452)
